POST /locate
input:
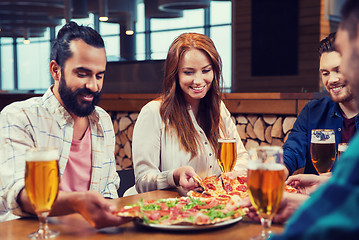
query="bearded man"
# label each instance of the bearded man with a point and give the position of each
(65, 117)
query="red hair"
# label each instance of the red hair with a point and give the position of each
(173, 108)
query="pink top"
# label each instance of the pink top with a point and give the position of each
(77, 174)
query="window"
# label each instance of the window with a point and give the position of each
(152, 43)
(33, 65)
(110, 33)
(7, 64)
(163, 31)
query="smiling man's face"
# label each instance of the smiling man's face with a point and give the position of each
(81, 78)
(333, 80)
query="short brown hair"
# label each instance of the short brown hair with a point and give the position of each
(327, 44)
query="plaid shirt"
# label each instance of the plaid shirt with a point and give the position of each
(41, 122)
(332, 211)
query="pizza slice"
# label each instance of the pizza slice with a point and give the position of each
(213, 186)
(290, 189)
(235, 186)
(223, 188)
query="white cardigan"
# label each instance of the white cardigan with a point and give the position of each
(156, 152)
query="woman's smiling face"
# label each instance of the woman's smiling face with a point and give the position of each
(195, 75)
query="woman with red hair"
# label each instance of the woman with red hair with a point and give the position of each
(176, 136)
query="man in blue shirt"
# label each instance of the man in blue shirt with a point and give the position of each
(336, 111)
(332, 211)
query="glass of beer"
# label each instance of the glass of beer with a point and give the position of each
(42, 186)
(342, 147)
(323, 149)
(227, 154)
(265, 183)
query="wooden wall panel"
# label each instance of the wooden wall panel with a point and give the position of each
(311, 25)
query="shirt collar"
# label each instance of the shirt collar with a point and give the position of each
(335, 111)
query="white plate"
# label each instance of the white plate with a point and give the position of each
(188, 227)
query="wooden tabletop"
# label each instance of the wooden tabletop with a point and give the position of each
(75, 227)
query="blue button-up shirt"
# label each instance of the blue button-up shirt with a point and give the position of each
(320, 113)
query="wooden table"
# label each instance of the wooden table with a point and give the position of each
(75, 227)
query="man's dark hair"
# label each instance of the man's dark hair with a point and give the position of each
(350, 17)
(327, 44)
(60, 51)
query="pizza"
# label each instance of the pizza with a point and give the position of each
(217, 203)
(224, 187)
(290, 189)
(183, 210)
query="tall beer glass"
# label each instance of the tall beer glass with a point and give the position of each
(266, 183)
(42, 186)
(227, 154)
(323, 149)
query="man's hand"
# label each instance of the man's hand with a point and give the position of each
(183, 177)
(288, 205)
(96, 209)
(252, 214)
(91, 205)
(307, 183)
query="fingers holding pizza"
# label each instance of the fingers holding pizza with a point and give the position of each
(307, 183)
(183, 177)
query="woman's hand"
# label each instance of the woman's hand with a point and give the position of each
(183, 177)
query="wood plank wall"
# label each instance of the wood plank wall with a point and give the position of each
(312, 28)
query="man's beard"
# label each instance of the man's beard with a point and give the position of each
(71, 101)
(343, 98)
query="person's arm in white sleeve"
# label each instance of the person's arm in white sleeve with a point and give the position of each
(146, 151)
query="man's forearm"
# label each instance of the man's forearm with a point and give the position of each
(62, 206)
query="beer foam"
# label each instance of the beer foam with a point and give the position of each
(226, 140)
(322, 136)
(265, 166)
(42, 154)
(342, 147)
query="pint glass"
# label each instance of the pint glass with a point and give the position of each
(266, 183)
(227, 154)
(323, 149)
(42, 180)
